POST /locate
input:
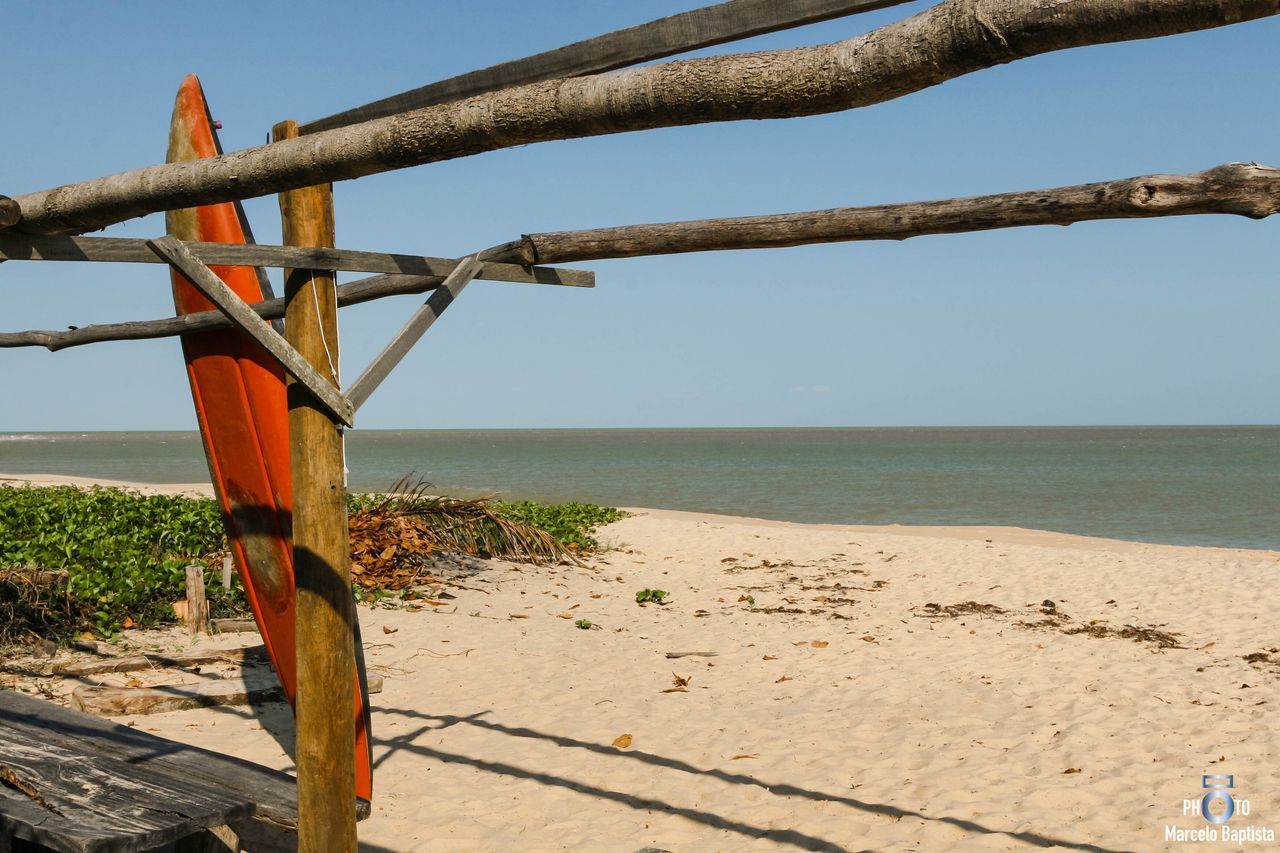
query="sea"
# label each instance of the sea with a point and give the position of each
(1179, 485)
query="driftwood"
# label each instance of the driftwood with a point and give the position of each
(949, 40)
(232, 626)
(687, 31)
(134, 663)
(1245, 189)
(36, 575)
(125, 701)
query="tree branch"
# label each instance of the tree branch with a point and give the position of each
(953, 38)
(1246, 189)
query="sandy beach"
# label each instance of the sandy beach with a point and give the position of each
(809, 687)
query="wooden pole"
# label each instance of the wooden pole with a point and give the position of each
(322, 563)
(676, 34)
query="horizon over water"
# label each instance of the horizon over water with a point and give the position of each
(1195, 485)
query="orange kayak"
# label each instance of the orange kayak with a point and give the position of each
(239, 394)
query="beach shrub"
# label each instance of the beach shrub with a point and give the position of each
(120, 557)
(572, 524)
(124, 555)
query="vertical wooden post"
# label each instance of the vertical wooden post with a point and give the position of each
(197, 603)
(325, 608)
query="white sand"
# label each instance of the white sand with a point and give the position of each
(903, 732)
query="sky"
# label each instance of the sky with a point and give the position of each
(1127, 322)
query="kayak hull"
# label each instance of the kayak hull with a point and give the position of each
(242, 409)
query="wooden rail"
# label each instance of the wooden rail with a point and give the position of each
(23, 247)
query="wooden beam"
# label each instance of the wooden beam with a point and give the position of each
(326, 706)
(238, 312)
(22, 247)
(676, 34)
(352, 293)
(941, 43)
(412, 332)
(1244, 189)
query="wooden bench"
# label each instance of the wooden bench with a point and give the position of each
(76, 783)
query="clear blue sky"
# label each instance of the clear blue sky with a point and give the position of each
(1155, 322)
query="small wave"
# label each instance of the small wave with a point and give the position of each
(26, 436)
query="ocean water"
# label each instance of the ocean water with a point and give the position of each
(1183, 485)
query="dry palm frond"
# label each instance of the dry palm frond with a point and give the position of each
(392, 540)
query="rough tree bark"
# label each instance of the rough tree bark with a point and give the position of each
(954, 38)
(1244, 189)
(10, 212)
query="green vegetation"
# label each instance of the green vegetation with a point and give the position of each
(571, 524)
(124, 554)
(584, 624)
(657, 596)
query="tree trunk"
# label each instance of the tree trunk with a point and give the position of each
(954, 38)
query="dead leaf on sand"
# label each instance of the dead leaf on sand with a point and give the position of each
(868, 638)
(386, 629)
(1072, 770)
(681, 680)
(564, 615)
(770, 657)
(744, 755)
(519, 615)
(675, 690)
(622, 742)
(819, 644)
(782, 679)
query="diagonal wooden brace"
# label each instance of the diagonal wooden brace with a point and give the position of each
(382, 365)
(175, 252)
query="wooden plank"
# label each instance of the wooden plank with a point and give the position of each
(322, 390)
(22, 247)
(352, 293)
(232, 626)
(161, 699)
(326, 701)
(412, 332)
(79, 799)
(133, 663)
(680, 33)
(197, 603)
(37, 720)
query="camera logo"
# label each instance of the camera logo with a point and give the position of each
(1218, 805)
